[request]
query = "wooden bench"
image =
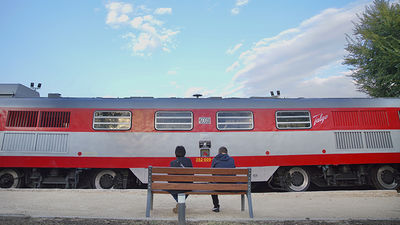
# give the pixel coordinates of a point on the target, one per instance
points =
(200, 181)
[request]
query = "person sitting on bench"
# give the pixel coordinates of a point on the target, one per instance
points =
(180, 161)
(222, 160)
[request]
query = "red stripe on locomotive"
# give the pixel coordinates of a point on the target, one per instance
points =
(264, 119)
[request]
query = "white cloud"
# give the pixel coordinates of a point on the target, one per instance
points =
(235, 11)
(333, 86)
(152, 20)
(233, 67)
(117, 13)
(281, 36)
(148, 34)
(149, 29)
(142, 9)
(230, 90)
(238, 4)
(137, 22)
(145, 41)
(292, 61)
(241, 2)
(150, 40)
(233, 49)
(162, 11)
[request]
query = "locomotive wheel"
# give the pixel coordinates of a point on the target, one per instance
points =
(297, 179)
(9, 178)
(104, 179)
(383, 177)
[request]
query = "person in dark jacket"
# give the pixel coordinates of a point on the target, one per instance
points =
(222, 160)
(180, 161)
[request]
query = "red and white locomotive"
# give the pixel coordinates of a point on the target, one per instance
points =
(109, 143)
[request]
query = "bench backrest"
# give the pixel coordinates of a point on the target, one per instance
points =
(199, 179)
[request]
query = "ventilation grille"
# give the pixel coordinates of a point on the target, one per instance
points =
(345, 119)
(378, 139)
(349, 140)
(374, 118)
(51, 142)
(39, 142)
(30, 118)
(369, 139)
(22, 118)
(367, 119)
(19, 142)
(54, 119)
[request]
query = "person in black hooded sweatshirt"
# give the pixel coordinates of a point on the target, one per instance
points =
(180, 161)
(222, 160)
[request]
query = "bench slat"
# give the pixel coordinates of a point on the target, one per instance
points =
(183, 178)
(217, 171)
(194, 186)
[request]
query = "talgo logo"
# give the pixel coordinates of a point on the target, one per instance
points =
(319, 118)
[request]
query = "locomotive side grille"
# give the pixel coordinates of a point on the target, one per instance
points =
(369, 119)
(54, 119)
(30, 119)
(345, 118)
(349, 140)
(19, 142)
(22, 118)
(51, 142)
(378, 139)
(35, 142)
(374, 118)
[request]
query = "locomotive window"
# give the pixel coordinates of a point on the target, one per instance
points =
(293, 119)
(112, 120)
(235, 120)
(174, 120)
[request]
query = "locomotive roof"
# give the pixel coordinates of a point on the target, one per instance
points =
(183, 103)
(17, 91)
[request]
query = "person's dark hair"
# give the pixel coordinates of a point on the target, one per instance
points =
(180, 151)
(223, 150)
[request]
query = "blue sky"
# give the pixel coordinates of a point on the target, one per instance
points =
(176, 48)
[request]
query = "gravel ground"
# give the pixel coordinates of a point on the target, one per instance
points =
(57, 206)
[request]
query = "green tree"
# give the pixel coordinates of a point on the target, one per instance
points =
(374, 50)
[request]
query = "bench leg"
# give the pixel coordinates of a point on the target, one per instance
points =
(181, 209)
(152, 197)
(242, 202)
(149, 202)
(250, 204)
